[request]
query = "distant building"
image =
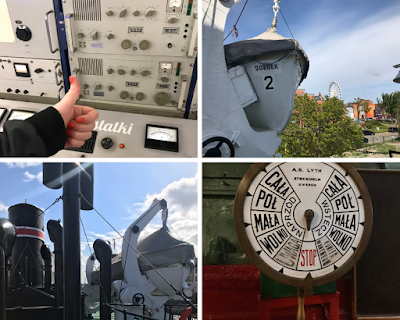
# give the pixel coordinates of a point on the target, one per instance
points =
(363, 114)
(319, 98)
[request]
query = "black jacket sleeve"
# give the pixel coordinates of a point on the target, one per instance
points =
(41, 135)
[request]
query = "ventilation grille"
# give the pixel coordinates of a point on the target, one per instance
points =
(88, 147)
(90, 66)
(87, 10)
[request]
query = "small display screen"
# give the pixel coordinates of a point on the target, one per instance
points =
(162, 86)
(132, 84)
(135, 29)
(21, 70)
(20, 114)
(171, 30)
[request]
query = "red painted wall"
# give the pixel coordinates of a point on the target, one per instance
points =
(231, 292)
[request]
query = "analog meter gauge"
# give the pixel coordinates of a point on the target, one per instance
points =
(162, 138)
(303, 224)
(174, 5)
(166, 67)
(20, 114)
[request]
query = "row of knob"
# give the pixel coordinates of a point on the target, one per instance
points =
(149, 13)
(161, 98)
(125, 44)
(17, 91)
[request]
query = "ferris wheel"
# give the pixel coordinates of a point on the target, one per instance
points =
(334, 90)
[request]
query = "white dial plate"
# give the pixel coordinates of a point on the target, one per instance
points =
(163, 134)
(20, 115)
(274, 215)
(175, 3)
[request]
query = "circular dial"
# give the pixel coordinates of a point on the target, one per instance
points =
(163, 134)
(300, 219)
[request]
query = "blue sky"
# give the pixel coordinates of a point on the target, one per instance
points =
(354, 43)
(122, 192)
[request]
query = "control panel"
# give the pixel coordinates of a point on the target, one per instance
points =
(120, 134)
(135, 80)
(28, 29)
(133, 53)
(33, 77)
(153, 27)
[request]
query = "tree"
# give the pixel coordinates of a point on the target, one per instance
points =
(390, 103)
(319, 130)
(360, 104)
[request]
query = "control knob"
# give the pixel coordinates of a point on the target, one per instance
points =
(110, 88)
(110, 71)
(95, 35)
(139, 96)
(133, 72)
(144, 44)
(24, 33)
(172, 20)
(97, 87)
(85, 86)
(80, 35)
(106, 143)
(145, 73)
(125, 44)
(124, 95)
(162, 98)
(150, 13)
(110, 36)
(109, 13)
(122, 13)
(136, 13)
(121, 72)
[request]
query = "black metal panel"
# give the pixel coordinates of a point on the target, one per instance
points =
(377, 272)
(88, 147)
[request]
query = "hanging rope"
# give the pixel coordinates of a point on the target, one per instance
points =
(234, 26)
(286, 24)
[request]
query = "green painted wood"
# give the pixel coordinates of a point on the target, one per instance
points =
(270, 289)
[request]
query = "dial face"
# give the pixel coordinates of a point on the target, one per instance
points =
(162, 134)
(175, 3)
(296, 219)
(20, 115)
(166, 65)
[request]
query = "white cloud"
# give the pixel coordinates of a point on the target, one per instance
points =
(3, 210)
(31, 177)
(22, 165)
(360, 60)
(181, 197)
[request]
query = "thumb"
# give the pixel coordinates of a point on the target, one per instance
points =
(66, 106)
(73, 93)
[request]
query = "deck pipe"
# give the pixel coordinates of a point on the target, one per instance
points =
(46, 256)
(72, 245)
(76, 181)
(55, 230)
(103, 254)
(8, 234)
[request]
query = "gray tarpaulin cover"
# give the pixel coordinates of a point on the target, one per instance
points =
(244, 51)
(160, 249)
